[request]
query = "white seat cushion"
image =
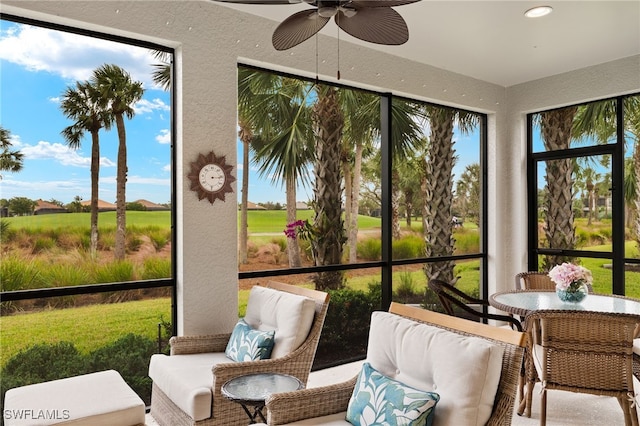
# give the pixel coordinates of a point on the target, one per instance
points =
(187, 380)
(636, 346)
(96, 399)
(290, 315)
(463, 370)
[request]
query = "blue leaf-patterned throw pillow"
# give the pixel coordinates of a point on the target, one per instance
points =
(378, 400)
(247, 344)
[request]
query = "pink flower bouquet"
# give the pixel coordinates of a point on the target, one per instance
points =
(570, 277)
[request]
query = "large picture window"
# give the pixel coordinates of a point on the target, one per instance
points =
(87, 203)
(583, 178)
(363, 194)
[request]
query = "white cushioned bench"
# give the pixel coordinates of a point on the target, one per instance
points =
(96, 399)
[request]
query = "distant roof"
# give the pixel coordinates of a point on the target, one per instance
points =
(41, 205)
(254, 206)
(101, 204)
(148, 204)
(302, 206)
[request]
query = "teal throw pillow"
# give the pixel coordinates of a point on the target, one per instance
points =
(380, 400)
(247, 344)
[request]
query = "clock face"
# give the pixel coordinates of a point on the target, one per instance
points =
(210, 177)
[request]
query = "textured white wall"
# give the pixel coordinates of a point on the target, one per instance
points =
(212, 39)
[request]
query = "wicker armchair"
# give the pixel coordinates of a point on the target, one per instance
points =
(584, 352)
(191, 349)
(330, 402)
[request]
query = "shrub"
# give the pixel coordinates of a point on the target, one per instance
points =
(370, 249)
(19, 274)
(42, 363)
(405, 291)
(129, 356)
(41, 244)
(408, 247)
(117, 271)
(346, 327)
(159, 238)
(156, 268)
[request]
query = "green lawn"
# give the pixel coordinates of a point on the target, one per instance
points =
(87, 327)
(260, 221)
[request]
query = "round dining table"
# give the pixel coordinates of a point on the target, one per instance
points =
(522, 302)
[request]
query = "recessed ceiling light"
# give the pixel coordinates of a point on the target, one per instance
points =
(538, 11)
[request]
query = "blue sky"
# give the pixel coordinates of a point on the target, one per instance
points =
(38, 64)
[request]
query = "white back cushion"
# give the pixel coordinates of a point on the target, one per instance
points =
(463, 370)
(290, 315)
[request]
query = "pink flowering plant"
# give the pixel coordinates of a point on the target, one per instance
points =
(299, 228)
(570, 277)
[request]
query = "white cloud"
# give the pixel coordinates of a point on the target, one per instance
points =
(61, 154)
(72, 56)
(167, 168)
(164, 137)
(146, 106)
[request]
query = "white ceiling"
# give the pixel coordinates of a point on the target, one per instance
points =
(493, 41)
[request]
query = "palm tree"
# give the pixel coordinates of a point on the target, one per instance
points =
(118, 93)
(10, 161)
(556, 127)
(598, 120)
(81, 104)
(437, 187)
(327, 192)
(277, 110)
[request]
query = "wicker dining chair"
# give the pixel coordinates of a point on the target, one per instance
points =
(584, 352)
(534, 280)
(451, 297)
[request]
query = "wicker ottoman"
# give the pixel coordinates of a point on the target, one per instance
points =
(95, 399)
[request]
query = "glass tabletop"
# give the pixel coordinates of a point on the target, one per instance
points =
(252, 388)
(518, 301)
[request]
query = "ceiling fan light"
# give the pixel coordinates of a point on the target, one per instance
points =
(327, 11)
(538, 11)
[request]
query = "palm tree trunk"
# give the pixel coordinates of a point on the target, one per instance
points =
(438, 196)
(560, 230)
(354, 207)
(395, 205)
(245, 136)
(95, 175)
(293, 247)
(121, 185)
(328, 224)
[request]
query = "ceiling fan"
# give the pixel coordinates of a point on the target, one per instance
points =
(373, 21)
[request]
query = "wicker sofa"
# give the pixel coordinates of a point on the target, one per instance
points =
(457, 358)
(187, 384)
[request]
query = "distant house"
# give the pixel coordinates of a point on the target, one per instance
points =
(254, 206)
(152, 206)
(103, 206)
(302, 206)
(45, 207)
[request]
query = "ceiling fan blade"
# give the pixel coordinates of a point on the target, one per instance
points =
(358, 4)
(260, 1)
(380, 25)
(297, 28)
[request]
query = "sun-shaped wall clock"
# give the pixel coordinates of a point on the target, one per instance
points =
(210, 177)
